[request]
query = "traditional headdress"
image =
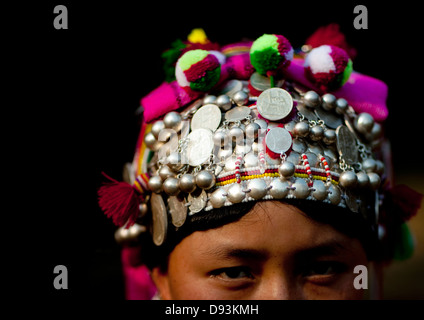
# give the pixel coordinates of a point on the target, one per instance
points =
(255, 121)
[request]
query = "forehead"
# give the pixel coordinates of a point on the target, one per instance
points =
(272, 227)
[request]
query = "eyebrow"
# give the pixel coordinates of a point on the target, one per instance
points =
(328, 248)
(228, 252)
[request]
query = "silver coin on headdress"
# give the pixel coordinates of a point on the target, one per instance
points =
(160, 219)
(237, 113)
(262, 83)
(207, 117)
(231, 87)
(197, 203)
(278, 140)
(199, 147)
(274, 104)
(351, 201)
(331, 119)
(306, 112)
(299, 146)
(178, 210)
(346, 145)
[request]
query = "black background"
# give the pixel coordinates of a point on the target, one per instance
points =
(83, 85)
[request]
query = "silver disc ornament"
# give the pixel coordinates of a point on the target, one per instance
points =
(199, 147)
(331, 119)
(231, 87)
(237, 114)
(262, 83)
(197, 203)
(308, 113)
(178, 210)
(160, 219)
(352, 201)
(278, 140)
(346, 145)
(274, 104)
(207, 117)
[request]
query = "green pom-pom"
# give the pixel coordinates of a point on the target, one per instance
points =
(206, 83)
(264, 55)
(404, 247)
(198, 70)
(270, 52)
(191, 57)
(347, 72)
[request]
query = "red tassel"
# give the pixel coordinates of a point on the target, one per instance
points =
(406, 200)
(119, 201)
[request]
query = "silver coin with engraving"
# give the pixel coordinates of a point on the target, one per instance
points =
(178, 210)
(199, 146)
(197, 203)
(278, 140)
(346, 145)
(160, 219)
(237, 114)
(274, 104)
(207, 117)
(331, 119)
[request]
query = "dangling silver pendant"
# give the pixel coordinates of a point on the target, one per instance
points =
(178, 210)
(197, 203)
(346, 145)
(160, 219)
(330, 119)
(237, 114)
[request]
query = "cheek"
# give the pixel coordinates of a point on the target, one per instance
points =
(187, 285)
(186, 281)
(189, 280)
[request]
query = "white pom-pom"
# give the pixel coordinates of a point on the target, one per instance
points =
(181, 78)
(320, 60)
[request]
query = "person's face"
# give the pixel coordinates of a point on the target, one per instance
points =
(273, 252)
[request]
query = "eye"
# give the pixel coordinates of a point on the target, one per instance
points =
(323, 268)
(233, 273)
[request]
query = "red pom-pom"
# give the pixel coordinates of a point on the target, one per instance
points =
(119, 201)
(330, 35)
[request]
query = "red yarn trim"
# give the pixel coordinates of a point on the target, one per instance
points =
(198, 70)
(258, 172)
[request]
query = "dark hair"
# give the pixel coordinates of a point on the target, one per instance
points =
(354, 225)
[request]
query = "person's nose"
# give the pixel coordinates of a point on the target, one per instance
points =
(280, 286)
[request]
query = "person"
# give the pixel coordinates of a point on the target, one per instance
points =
(261, 172)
